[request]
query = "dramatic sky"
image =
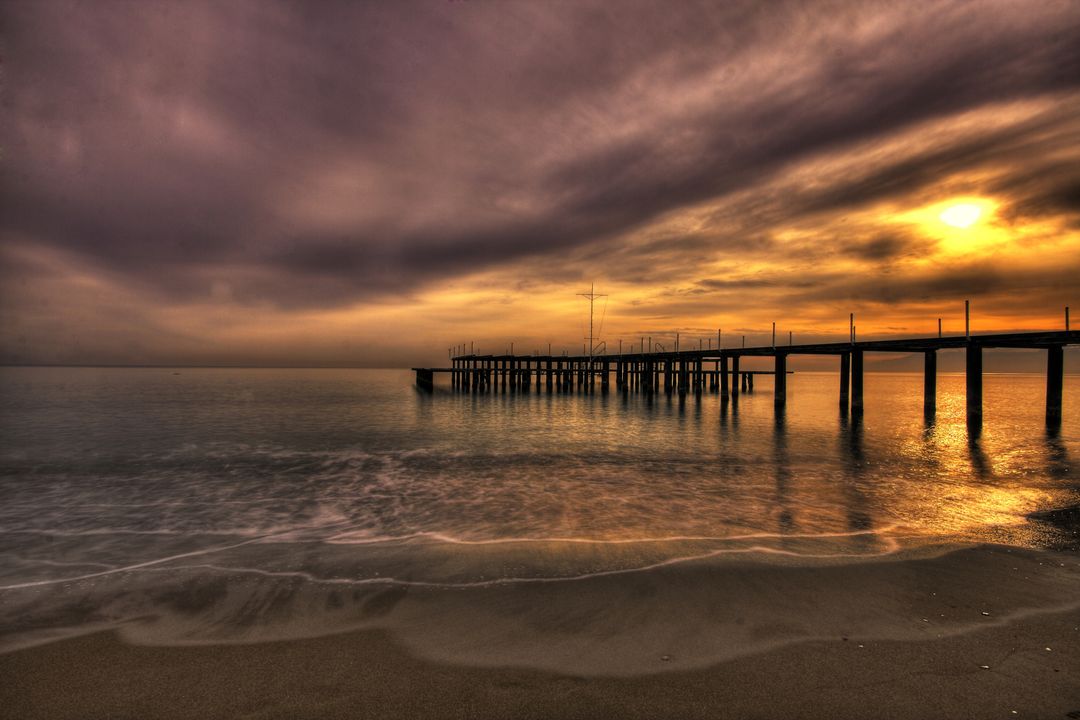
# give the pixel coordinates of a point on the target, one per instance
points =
(371, 183)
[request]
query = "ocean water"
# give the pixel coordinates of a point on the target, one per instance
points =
(239, 505)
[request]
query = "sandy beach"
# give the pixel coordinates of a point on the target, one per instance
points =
(986, 632)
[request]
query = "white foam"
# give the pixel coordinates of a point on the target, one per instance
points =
(892, 548)
(346, 539)
(139, 566)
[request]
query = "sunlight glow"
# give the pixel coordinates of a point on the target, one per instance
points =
(960, 225)
(963, 215)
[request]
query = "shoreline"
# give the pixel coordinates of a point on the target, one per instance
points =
(369, 674)
(900, 639)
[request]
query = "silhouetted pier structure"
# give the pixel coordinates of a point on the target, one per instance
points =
(712, 370)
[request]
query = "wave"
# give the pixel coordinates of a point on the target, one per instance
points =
(450, 539)
(892, 549)
(144, 564)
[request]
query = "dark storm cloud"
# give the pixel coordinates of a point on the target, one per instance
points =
(886, 247)
(310, 155)
(1017, 289)
(919, 169)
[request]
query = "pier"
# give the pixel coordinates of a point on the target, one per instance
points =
(718, 371)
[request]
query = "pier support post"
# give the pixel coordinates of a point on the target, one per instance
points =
(723, 378)
(1055, 376)
(856, 381)
(845, 379)
(735, 378)
(605, 371)
(930, 383)
(780, 380)
(974, 384)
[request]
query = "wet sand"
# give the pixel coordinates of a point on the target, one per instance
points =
(915, 665)
(367, 674)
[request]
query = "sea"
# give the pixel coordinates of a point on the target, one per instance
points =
(198, 505)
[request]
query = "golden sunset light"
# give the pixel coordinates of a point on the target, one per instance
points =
(963, 215)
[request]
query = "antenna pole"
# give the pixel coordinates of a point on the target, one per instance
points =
(592, 299)
(591, 295)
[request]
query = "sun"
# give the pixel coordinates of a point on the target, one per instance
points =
(959, 225)
(961, 215)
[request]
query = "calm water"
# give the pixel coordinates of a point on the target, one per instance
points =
(130, 494)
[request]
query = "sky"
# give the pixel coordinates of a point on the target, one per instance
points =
(296, 183)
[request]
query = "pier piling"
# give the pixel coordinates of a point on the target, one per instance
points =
(929, 383)
(1055, 375)
(724, 377)
(845, 379)
(856, 381)
(974, 383)
(780, 380)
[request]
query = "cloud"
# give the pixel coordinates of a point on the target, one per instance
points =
(293, 158)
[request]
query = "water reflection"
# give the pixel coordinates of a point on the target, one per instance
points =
(782, 464)
(1058, 465)
(859, 518)
(980, 464)
(365, 450)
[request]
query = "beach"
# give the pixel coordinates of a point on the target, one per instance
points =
(984, 632)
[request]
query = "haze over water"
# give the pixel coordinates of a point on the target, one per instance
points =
(209, 505)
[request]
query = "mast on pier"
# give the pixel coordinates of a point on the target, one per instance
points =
(591, 295)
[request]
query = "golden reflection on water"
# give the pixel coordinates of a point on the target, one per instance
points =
(976, 490)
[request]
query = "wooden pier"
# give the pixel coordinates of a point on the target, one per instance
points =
(718, 371)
